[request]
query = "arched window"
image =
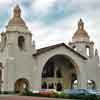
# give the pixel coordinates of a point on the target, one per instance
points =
(1, 66)
(74, 80)
(5, 40)
(87, 51)
(48, 71)
(58, 73)
(21, 42)
(59, 86)
(44, 85)
(91, 84)
(0, 76)
(51, 86)
(75, 84)
(21, 84)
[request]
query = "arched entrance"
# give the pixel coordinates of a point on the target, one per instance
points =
(21, 85)
(59, 86)
(91, 84)
(61, 71)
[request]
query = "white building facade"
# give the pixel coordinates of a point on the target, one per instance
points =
(60, 66)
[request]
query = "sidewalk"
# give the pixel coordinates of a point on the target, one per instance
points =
(28, 98)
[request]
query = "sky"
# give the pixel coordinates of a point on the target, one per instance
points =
(55, 21)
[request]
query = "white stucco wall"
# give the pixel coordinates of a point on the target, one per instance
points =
(62, 50)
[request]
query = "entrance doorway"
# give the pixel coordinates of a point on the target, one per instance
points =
(21, 85)
(61, 71)
(59, 87)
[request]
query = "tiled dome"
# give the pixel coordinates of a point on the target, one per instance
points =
(16, 19)
(80, 33)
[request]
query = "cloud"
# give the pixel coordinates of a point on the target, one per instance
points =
(85, 5)
(62, 31)
(49, 11)
(48, 35)
(54, 21)
(42, 6)
(6, 1)
(26, 3)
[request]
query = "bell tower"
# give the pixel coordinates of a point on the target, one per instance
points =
(17, 33)
(17, 49)
(81, 41)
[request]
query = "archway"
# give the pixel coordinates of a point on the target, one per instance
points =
(61, 71)
(44, 85)
(21, 85)
(91, 84)
(59, 86)
(21, 42)
(74, 78)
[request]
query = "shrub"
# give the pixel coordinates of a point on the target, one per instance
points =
(47, 93)
(7, 92)
(26, 93)
(62, 95)
(59, 95)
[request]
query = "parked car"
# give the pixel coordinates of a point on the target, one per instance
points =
(98, 93)
(79, 93)
(92, 91)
